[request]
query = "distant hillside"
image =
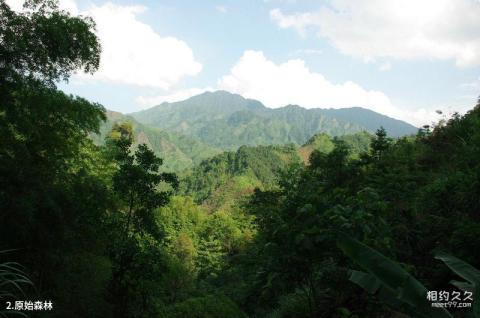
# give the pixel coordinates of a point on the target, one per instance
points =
(372, 120)
(228, 121)
(358, 143)
(225, 179)
(178, 152)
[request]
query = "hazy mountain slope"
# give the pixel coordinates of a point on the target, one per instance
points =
(228, 121)
(225, 179)
(178, 152)
(303, 123)
(180, 116)
(372, 120)
(358, 143)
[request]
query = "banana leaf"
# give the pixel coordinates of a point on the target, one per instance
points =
(467, 272)
(392, 278)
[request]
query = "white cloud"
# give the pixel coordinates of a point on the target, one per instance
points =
(277, 85)
(133, 53)
(179, 95)
(408, 29)
(297, 21)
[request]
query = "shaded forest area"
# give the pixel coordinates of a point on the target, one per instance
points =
(104, 231)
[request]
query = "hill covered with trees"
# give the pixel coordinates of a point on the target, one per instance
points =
(228, 178)
(178, 151)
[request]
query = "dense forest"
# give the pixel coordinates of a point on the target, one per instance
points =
(351, 226)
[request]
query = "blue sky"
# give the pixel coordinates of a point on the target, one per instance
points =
(405, 58)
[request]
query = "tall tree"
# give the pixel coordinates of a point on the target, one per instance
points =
(138, 186)
(52, 191)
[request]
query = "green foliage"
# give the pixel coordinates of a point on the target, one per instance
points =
(136, 185)
(214, 306)
(46, 44)
(201, 240)
(84, 278)
(137, 180)
(227, 177)
(407, 198)
(53, 191)
(294, 241)
(394, 285)
(467, 272)
(398, 288)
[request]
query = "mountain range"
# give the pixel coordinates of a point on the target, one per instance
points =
(228, 121)
(187, 132)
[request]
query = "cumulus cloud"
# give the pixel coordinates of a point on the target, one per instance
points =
(409, 29)
(133, 53)
(291, 82)
(297, 21)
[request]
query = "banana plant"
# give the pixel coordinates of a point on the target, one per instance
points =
(467, 272)
(388, 280)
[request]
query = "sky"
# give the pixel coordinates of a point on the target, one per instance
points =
(405, 59)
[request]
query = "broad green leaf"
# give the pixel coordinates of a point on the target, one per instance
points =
(405, 287)
(374, 286)
(366, 281)
(460, 268)
(463, 285)
(466, 271)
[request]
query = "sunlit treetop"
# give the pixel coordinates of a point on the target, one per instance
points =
(46, 43)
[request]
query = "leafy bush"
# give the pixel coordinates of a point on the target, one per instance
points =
(212, 306)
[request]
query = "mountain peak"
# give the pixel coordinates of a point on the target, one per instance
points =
(216, 95)
(291, 106)
(221, 93)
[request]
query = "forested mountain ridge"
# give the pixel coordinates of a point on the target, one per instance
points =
(228, 121)
(179, 152)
